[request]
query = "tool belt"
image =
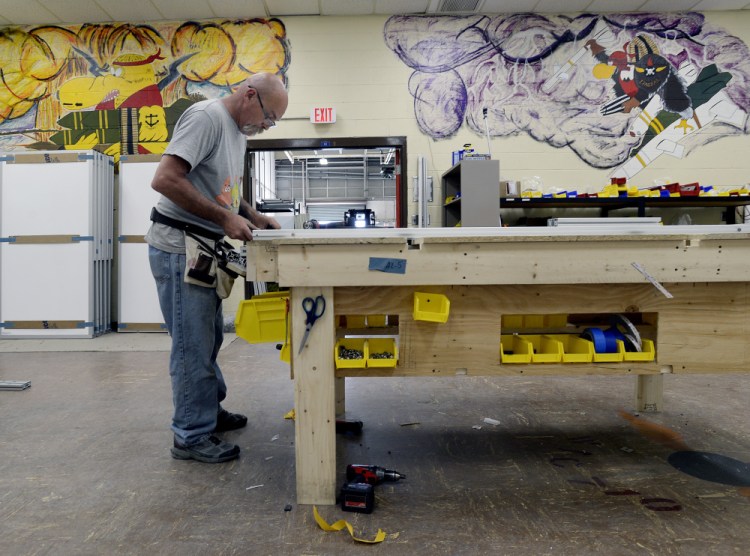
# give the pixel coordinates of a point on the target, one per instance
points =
(160, 218)
(208, 266)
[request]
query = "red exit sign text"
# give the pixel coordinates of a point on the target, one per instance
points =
(323, 115)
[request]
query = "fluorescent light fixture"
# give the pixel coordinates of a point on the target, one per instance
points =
(323, 161)
(388, 156)
(289, 156)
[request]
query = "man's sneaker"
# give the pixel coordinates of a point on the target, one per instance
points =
(208, 450)
(226, 421)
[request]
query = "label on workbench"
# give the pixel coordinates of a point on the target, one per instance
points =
(395, 266)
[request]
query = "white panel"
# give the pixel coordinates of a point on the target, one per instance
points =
(184, 9)
(556, 7)
(136, 197)
(401, 6)
(292, 7)
(46, 282)
(240, 9)
(56, 281)
(132, 10)
(512, 6)
(80, 11)
(667, 5)
(598, 6)
(26, 12)
(708, 5)
(138, 301)
(346, 7)
(45, 199)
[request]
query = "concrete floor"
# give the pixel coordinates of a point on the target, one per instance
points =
(85, 466)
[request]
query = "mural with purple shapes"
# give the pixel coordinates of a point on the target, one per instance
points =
(619, 90)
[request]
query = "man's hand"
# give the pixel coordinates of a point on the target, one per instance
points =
(266, 222)
(238, 227)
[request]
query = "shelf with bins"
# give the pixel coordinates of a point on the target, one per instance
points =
(580, 338)
(366, 341)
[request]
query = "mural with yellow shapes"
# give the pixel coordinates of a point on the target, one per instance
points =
(121, 87)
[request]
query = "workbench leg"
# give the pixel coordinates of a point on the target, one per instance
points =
(649, 393)
(314, 401)
(340, 397)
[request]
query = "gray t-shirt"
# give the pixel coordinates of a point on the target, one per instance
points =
(208, 139)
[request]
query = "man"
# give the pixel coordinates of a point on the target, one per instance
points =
(200, 179)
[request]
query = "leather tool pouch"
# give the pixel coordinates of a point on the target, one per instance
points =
(202, 267)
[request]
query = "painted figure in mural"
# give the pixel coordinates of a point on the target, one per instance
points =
(639, 73)
(123, 86)
(199, 177)
(529, 72)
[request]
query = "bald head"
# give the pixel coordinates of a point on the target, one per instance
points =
(258, 102)
(266, 83)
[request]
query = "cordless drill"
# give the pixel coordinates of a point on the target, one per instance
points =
(371, 474)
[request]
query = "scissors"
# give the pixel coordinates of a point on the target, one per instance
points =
(314, 309)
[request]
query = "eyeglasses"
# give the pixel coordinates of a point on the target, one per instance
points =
(267, 119)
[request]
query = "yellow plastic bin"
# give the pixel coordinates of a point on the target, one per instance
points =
(556, 320)
(616, 357)
(355, 321)
(382, 346)
(285, 354)
(360, 344)
(376, 321)
(647, 353)
(515, 349)
(575, 348)
(511, 321)
(533, 321)
(263, 318)
(431, 307)
(546, 349)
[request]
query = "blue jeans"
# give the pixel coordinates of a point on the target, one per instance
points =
(195, 322)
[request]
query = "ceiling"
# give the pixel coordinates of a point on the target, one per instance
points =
(35, 12)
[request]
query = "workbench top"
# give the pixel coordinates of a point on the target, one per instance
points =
(593, 232)
(587, 254)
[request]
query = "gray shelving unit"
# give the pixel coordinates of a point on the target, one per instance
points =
(475, 188)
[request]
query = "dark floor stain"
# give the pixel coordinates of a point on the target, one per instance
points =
(712, 467)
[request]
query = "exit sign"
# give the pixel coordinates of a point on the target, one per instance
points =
(323, 115)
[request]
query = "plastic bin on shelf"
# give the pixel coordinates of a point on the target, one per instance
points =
(615, 357)
(355, 321)
(263, 318)
(285, 354)
(555, 321)
(546, 349)
(431, 307)
(515, 349)
(511, 321)
(359, 344)
(376, 321)
(647, 353)
(533, 321)
(382, 345)
(575, 348)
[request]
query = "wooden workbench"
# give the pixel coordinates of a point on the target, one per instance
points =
(490, 272)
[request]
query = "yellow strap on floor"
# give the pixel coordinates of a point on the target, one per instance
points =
(341, 524)
(290, 415)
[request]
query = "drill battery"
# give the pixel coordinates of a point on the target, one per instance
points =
(358, 497)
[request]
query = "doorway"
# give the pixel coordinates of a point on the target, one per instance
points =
(326, 177)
